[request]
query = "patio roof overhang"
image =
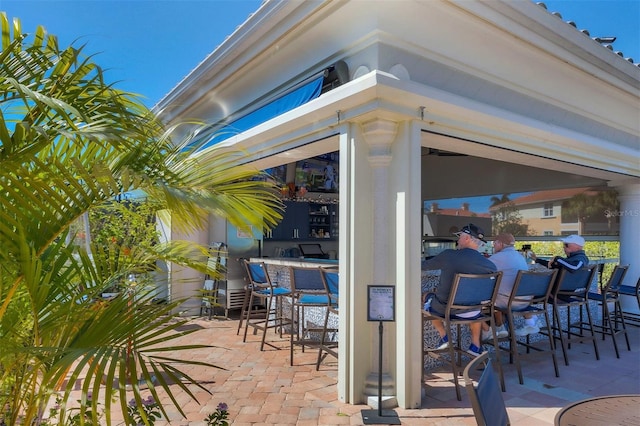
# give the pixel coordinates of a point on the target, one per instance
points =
(524, 98)
(520, 145)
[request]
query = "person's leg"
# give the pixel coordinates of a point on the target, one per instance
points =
(499, 321)
(444, 339)
(501, 302)
(439, 326)
(475, 329)
(530, 326)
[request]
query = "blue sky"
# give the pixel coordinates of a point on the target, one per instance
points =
(148, 46)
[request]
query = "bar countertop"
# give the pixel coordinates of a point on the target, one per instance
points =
(293, 261)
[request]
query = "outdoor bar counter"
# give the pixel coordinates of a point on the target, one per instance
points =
(278, 267)
(278, 270)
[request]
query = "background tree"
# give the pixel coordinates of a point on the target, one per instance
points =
(69, 143)
(506, 218)
(495, 200)
(591, 206)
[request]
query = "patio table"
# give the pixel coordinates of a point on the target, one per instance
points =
(602, 410)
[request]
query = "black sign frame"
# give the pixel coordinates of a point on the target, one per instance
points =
(381, 303)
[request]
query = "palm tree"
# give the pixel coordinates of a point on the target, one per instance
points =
(70, 142)
(496, 201)
(592, 204)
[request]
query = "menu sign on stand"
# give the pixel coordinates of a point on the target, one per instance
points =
(381, 307)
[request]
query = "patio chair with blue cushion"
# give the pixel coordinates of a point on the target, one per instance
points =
(260, 287)
(469, 293)
(631, 318)
(329, 337)
(307, 291)
(570, 291)
(612, 325)
(533, 289)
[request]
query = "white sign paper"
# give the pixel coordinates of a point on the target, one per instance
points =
(381, 304)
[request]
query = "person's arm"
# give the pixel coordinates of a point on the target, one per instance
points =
(542, 262)
(435, 262)
(566, 263)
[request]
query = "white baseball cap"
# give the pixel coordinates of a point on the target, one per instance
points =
(573, 239)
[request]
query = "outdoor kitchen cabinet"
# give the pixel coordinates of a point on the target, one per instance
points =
(294, 224)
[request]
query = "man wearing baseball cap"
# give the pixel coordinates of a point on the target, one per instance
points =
(576, 257)
(465, 260)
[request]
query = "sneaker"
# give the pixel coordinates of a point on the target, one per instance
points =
(487, 335)
(526, 330)
(427, 301)
(443, 343)
(501, 332)
(474, 350)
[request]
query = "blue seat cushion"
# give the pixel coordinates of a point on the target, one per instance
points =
(277, 291)
(627, 289)
(599, 297)
(313, 299)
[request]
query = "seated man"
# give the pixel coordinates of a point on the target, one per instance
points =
(466, 259)
(576, 257)
(509, 261)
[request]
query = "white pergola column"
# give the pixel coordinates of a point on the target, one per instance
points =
(629, 196)
(380, 245)
(380, 136)
(406, 182)
(356, 254)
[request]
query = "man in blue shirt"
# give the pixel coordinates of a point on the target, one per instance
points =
(465, 260)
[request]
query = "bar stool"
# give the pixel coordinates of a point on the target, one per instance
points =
(246, 310)
(330, 279)
(261, 288)
(609, 325)
(307, 291)
(632, 318)
(469, 293)
(531, 288)
(569, 291)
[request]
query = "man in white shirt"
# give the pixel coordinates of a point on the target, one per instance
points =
(509, 261)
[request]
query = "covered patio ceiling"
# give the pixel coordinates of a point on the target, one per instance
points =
(441, 170)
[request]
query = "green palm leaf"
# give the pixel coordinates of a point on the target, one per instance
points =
(71, 144)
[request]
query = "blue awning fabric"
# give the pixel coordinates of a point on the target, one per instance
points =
(290, 100)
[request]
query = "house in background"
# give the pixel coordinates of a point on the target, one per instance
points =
(444, 222)
(556, 211)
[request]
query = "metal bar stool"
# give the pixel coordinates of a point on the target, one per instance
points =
(612, 325)
(307, 291)
(469, 293)
(261, 288)
(631, 318)
(533, 289)
(255, 309)
(329, 346)
(570, 291)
